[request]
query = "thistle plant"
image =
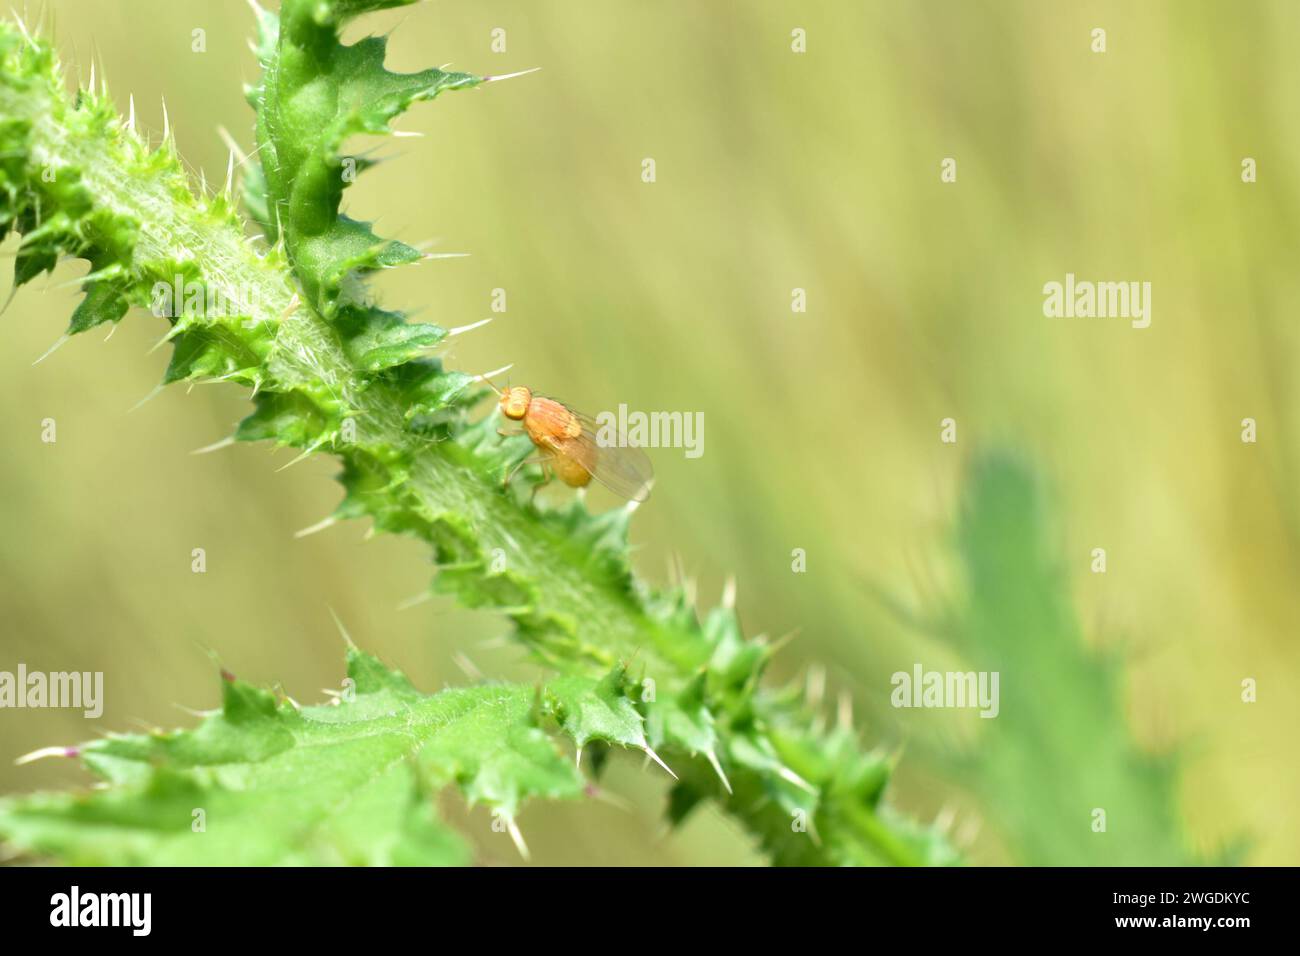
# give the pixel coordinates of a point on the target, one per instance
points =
(1017, 616)
(332, 372)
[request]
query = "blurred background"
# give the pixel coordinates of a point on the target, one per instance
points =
(775, 171)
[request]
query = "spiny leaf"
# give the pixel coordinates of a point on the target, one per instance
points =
(1060, 748)
(602, 712)
(314, 94)
(351, 782)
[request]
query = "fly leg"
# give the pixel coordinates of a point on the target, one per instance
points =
(539, 460)
(548, 475)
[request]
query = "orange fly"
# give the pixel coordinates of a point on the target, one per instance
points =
(568, 446)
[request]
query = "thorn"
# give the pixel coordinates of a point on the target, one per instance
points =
(92, 74)
(321, 525)
(462, 329)
(729, 593)
(577, 759)
(816, 685)
(167, 125)
(717, 768)
(231, 144)
(306, 453)
(52, 349)
(130, 119)
(200, 714)
(494, 373)
(781, 642)
(604, 796)
(789, 776)
(509, 76)
(844, 712)
(22, 26)
(111, 331)
(518, 837)
(209, 653)
(444, 255)
(347, 638)
(230, 173)
(157, 390)
(79, 281)
(655, 757)
(47, 752)
(406, 134)
(152, 729)
(171, 334)
(413, 601)
(215, 446)
(467, 667)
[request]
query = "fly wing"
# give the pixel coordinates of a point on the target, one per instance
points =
(621, 467)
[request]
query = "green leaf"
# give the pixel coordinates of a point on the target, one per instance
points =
(351, 782)
(314, 94)
(378, 340)
(1060, 747)
(600, 711)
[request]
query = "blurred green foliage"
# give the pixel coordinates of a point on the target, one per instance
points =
(775, 171)
(1057, 750)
